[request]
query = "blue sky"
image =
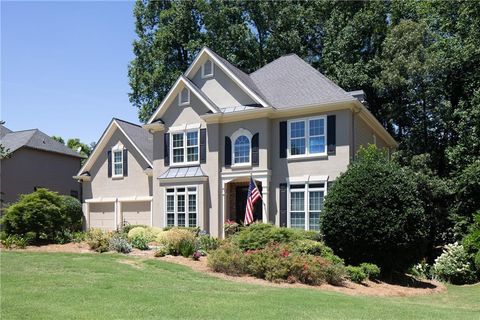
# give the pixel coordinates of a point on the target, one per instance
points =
(64, 66)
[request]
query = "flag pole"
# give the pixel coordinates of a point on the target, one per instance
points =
(261, 195)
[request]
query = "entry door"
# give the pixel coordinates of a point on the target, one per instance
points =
(241, 194)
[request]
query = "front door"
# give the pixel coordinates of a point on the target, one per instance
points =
(241, 194)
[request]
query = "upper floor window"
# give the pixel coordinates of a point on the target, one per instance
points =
(117, 162)
(307, 137)
(207, 69)
(242, 151)
(184, 97)
(185, 147)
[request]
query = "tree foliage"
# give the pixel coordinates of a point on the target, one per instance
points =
(373, 213)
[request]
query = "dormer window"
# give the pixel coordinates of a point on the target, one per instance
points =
(184, 97)
(207, 69)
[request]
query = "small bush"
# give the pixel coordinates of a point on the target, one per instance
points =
(173, 238)
(309, 269)
(206, 243)
(126, 228)
(15, 241)
(471, 242)
(98, 240)
(453, 265)
(161, 252)
(271, 263)
(119, 243)
(228, 259)
(140, 232)
(79, 236)
(258, 235)
(231, 227)
(140, 241)
(186, 248)
(356, 274)
(371, 270)
(196, 255)
(315, 248)
(421, 270)
(335, 274)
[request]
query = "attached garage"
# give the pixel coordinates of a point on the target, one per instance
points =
(137, 212)
(102, 215)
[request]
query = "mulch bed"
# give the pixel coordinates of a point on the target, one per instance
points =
(368, 288)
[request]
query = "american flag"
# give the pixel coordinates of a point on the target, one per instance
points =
(253, 196)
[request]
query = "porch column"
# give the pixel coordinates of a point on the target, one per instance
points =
(86, 210)
(265, 205)
(222, 209)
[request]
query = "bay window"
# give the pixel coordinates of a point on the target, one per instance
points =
(305, 205)
(307, 137)
(181, 207)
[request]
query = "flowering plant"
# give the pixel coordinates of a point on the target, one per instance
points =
(196, 255)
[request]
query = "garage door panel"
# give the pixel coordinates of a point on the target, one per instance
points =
(102, 215)
(136, 212)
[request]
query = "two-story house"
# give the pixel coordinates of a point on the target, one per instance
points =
(286, 125)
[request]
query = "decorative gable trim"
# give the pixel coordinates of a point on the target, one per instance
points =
(212, 57)
(181, 83)
(107, 134)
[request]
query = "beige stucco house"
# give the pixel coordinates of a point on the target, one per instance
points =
(286, 125)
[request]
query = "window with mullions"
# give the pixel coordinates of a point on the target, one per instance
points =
(181, 207)
(306, 205)
(307, 137)
(242, 150)
(185, 147)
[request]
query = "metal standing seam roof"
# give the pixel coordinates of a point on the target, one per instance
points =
(35, 139)
(184, 172)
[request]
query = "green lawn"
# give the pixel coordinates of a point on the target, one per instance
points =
(93, 286)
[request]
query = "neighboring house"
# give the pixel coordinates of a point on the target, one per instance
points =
(36, 161)
(286, 125)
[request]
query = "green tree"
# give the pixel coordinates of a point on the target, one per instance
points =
(373, 213)
(59, 139)
(77, 145)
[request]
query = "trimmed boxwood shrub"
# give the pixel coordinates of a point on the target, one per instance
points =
(373, 214)
(356, 274)
(45, 214)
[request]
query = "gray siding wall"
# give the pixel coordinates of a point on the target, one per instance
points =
(137, 183)
(364, 135)
(29, 168)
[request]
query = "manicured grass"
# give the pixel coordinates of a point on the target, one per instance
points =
(94, 286)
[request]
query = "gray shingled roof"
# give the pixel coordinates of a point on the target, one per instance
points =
(186, 172)
(289, 82)
(140, 137)
(36, 139)
(244, 78)
(4, 130)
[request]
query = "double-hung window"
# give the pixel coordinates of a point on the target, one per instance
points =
(185, 146)
(117, 162)
(307, 137)
(306, 205)
(181, 207)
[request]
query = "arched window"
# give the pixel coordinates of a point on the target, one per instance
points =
(242, 150)
(242, 147)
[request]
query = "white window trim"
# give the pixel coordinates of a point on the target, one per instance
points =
(374, 139)
(306, 137)
(117, 148)
(204, 75)
(185, 162)
(241, 132)
(306, 190)
(180, 103)
(175, 210)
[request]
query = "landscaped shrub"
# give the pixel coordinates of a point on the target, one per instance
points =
(315, 248)
(356, 274)
(140, 241)
(258, 235)
(196, 255)
(140, 232)
(186, 248)
(206, 243)
(119, 243)
(98, 240)
(79, 236)
(421, 270)
(471, 242)
(371, 270)
(310, 269)
(173, 238)
(161, 252)
(228, 259)
(231, 227)
(46, 214)
(126, 228)
(373, 214)
(454, 265)
(335, 274)
(15, 241)
(271, 263)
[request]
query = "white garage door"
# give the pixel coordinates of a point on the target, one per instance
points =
(102, 215)
(136, 212)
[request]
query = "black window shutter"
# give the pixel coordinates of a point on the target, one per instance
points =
(331, 134)
(283, 204)
(255, 150)
(166, 149)
(283, 139)
(228, 152)
(125, 162)
(203, 145)
(109, 161)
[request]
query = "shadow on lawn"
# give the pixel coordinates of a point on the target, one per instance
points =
(406, 280)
